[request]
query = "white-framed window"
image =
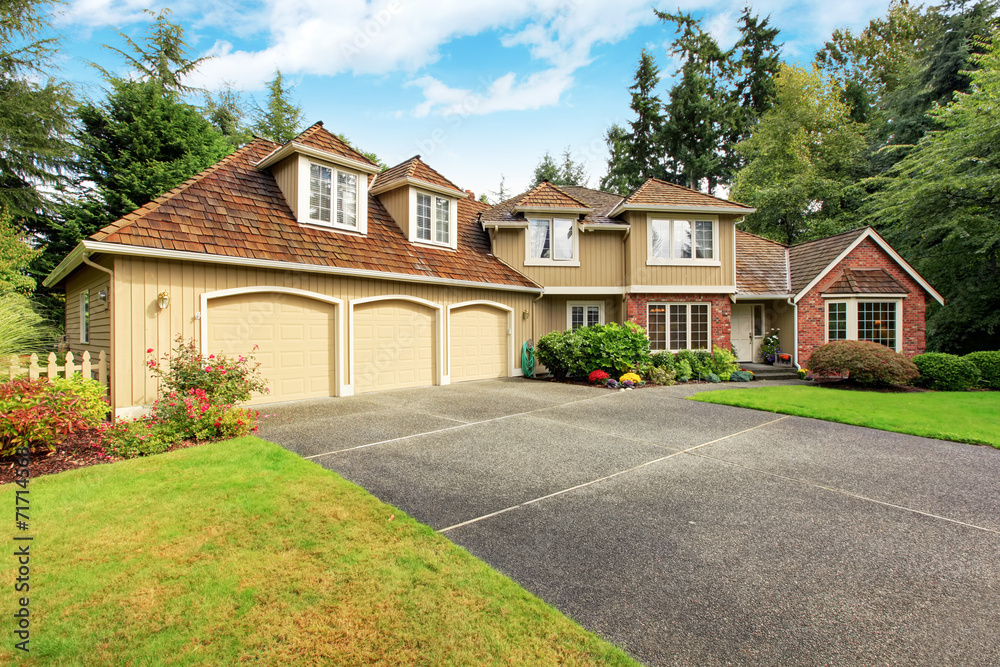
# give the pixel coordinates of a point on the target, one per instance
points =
(875, 320)
(679, 326)
(552, 241)
(683, 241)
(583, 314)
(85, 317)
(433, 219)
(333, 197)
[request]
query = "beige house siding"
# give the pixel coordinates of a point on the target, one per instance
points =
(549, 313)
(286, 173)
(88, 278)
(642, 274)
(397, 203)
(602, 259)
(140, 324)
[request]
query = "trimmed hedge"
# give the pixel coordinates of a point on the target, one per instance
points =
(988, 363)
(613, 348)
(946, 372)
(867, 363)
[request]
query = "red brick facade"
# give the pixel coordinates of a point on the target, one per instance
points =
(721, 308)
(868, 254)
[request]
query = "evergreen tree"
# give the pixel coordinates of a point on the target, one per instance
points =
(636, 155)
(939, 209)
(754, 84)
(36, 119)
(226, 111)
(16, 256)
(802, 161)
(567, 173)
(280, 120)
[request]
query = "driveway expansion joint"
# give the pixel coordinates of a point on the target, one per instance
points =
(607, 477)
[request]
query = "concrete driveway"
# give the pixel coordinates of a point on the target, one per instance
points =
(690, 533)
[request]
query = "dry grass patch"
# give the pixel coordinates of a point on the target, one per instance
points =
(242, 552)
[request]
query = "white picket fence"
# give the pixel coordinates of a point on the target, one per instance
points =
(51, 370)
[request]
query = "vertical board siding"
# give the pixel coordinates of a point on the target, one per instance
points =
(89, 278)
(642, 274)
(286, 173)
(397, 203)
(602, 260)
(549, 313)
(142, 325)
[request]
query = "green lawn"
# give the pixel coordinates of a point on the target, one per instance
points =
(240, 551)
(960, 416)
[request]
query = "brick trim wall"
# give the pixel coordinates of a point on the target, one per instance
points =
(721, 309)
(868, 255)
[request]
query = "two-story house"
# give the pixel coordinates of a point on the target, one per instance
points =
(345, 279)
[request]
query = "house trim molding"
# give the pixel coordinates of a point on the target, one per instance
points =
(584, 291)
(74, 259)
(681, 289)
(291, 147)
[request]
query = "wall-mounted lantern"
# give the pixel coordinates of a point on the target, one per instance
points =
(163, 299)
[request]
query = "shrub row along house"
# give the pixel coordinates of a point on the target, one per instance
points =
(349, 279)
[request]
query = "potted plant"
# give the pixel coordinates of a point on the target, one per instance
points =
(770, 347)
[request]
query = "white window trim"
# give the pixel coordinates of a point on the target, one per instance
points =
(659, 261)
(452, 220)
(667, 333)
(303, 196)
(569, 312)
(535, 261)
(852, 316)
(84, 320)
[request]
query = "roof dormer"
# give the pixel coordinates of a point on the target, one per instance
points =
(422, 202)
(324, 181)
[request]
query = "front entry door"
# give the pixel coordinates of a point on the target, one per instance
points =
(747, 331)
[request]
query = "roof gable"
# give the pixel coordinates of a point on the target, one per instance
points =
(316, 136)
(545, 195)
(658, 193)
(865, 281)
(413, 169)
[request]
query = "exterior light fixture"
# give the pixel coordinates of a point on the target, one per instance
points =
(102, 295)
(525, 314)
(163, 299)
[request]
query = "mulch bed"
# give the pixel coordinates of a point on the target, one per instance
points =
(76, 451)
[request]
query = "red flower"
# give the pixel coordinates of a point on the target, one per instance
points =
(149, 351)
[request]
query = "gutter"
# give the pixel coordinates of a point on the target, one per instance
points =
(111, 324)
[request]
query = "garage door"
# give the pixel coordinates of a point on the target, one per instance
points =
(295, 336)
(394, 345)
(478, 343)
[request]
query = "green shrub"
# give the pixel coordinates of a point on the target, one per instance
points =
(663, 359)
(94, 405)
(988, 363)
(723, 363)
(741, 376)
(613, 348)
(661, 376)
(34, 414)
(129, 438)
(712, 377)
(868, 363)
(946, 372)
(683, 369)
(700, 361)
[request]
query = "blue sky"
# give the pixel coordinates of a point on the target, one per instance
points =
(479, 88)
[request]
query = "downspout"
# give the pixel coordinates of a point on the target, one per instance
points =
(795, 315)
(111, 325)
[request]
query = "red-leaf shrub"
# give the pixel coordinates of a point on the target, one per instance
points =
(597, 376)
(35, 414)
(867, 363)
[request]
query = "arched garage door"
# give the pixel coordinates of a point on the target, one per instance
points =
(478, 343)
(394, 345)
(296, 338)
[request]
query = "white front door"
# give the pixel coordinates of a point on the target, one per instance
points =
(742, 333)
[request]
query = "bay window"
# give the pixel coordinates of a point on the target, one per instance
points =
(679, 326)
(864, 319)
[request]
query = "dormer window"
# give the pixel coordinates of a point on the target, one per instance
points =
(433, 215)
(333, 196)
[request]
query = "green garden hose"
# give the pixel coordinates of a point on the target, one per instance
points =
(528, 359)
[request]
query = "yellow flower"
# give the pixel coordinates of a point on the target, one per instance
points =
(630, 377)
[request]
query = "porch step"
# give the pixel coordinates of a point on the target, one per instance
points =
(768, 372)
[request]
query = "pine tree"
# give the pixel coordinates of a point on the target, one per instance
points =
(36, 119)
(226, 111)
(280, 120)
(567, 173)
